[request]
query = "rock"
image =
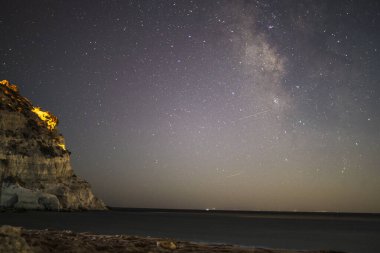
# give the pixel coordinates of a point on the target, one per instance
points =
(166, 245)
(12, 242)
(15, 196)
(35, 170)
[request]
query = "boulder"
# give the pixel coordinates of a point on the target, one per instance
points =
(12, 242)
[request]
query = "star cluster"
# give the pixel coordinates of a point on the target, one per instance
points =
(255, 105)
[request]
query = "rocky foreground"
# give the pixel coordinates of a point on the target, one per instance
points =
(16, 240)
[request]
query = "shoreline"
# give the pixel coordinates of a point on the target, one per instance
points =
(344, 234)
(41, 241)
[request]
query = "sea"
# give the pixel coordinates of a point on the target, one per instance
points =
(351, 233)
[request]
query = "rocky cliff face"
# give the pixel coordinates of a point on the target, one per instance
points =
(35, 171)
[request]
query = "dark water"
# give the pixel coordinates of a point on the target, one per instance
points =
(356, 234)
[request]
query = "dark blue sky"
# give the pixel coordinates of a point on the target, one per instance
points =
(257, 105)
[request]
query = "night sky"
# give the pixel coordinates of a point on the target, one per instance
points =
(254, 105)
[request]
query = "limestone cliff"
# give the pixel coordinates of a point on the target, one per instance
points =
(35, 171)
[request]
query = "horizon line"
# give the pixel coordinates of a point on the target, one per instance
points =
(212, 210)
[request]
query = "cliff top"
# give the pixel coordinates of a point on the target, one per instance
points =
(15, 102)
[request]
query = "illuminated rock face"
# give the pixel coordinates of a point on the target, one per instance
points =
(35, 171)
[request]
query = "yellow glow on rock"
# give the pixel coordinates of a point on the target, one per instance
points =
(62, 146)
(50, 120)
(9, 86)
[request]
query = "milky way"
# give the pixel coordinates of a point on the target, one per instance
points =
(254, 105)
